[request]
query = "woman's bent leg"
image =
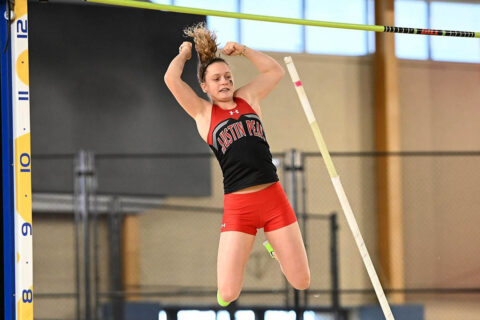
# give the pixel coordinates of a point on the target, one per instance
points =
(233, 252)
(290, 250)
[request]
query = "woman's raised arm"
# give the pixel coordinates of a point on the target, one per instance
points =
(270, 72)
(184, 94)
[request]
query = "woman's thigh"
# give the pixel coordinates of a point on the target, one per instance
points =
(290, 250)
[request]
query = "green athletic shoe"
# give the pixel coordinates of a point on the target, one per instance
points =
(270, 250)
(220, 301)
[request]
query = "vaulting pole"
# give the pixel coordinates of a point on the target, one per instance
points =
(327, 24)
(342, 197)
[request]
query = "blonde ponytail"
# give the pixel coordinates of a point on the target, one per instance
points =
(206, 46)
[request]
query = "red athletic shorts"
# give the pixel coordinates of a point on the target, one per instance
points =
(268, 209)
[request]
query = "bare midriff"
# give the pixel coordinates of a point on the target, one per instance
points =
(255, 188)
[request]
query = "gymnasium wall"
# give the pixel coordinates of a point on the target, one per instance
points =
(440, 108)
(340, 91)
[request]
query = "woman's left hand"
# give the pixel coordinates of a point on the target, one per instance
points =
(233, 49)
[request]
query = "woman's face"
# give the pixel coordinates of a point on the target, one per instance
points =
(218, 82)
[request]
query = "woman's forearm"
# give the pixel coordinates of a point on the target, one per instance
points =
(175, 69)
(261, 61)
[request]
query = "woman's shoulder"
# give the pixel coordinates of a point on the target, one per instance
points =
(203, 119)
(207, 108)
(241, 94)
(242, 98)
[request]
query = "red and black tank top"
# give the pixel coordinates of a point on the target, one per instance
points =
(237, 139)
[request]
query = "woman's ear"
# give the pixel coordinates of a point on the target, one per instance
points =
(204, 87)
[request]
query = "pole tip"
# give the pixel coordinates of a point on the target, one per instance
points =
(287, 59)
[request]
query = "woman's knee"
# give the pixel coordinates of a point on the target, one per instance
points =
(228, 294)
(301, 281)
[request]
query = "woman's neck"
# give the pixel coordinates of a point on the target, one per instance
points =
(226, 105)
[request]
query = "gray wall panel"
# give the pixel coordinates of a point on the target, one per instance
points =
(96, 76)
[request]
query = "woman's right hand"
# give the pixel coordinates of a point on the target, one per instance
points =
(185, 49)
